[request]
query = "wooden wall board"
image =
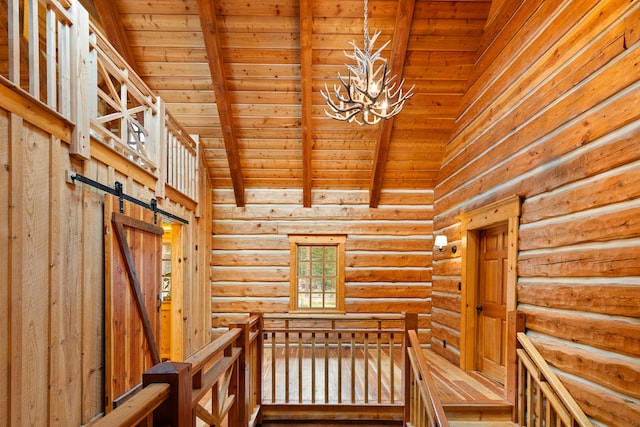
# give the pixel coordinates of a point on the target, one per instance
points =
(603, 296)
(547, 84)
(610, 409)
(66, 293)
(547, 117)
(555, 126)
(607, 369)
(29, 297)
(54, 299)
(5, 227)
(386, 265)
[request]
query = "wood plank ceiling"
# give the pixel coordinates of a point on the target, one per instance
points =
(246, 77)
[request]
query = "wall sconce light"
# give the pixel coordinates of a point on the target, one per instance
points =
(441, 242)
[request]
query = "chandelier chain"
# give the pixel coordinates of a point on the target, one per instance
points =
(366, 25)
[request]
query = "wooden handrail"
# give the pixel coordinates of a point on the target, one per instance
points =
(431, 400)
(332, 316)
(136, 409)
(550, 384)
(203, 356)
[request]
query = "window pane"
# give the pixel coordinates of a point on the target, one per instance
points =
(303, 301)
(329, 285)
(330, 269)
(330, 253)
(316, 252)
(303, 284)
(330, 300)
(316, 300)
(303, 269)
(303, 253)
(316, 284)
(316, 268)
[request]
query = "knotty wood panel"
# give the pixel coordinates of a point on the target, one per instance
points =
(547, 117)
(5, 226)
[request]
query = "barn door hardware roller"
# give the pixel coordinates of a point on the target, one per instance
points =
(117, 191)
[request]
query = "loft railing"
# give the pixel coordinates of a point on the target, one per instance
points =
(124, 115)
(424, 406)
(318, 359)
(542, 398)
(57, 58)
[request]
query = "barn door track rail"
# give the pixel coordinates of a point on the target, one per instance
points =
(117, 191)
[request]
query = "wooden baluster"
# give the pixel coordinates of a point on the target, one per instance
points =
(353, 368)
(339, 367)
(326, 367)
(392, 386)
(286, 363)
(273, 367)
(300, 367)
(313, 367)
(379, 363)
(366, 367)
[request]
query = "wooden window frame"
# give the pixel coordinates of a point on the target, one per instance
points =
(316, 240)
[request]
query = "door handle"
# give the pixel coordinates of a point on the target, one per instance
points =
(479, 308)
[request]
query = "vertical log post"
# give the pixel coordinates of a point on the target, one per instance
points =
(410, 323)
(176, 411)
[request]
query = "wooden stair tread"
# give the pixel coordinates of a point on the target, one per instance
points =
(456, 386)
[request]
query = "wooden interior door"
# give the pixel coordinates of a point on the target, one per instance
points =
(491, 303)
(133, 257)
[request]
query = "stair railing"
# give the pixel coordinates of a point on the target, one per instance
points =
(220, 382)
(424, 406)
(542, 398)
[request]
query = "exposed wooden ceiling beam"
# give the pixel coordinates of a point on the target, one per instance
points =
(402, 29)
(216, 67)
(114, 30)
(306, 23)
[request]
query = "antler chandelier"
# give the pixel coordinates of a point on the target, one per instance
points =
(369, 94)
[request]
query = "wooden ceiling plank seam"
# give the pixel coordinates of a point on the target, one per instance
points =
(306, 70)
(400, 41)
(113, 28)
(209, 23)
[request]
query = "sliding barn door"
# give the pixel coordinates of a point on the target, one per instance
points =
(133, 278)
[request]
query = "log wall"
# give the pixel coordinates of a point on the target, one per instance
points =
(387, 252)
(51, 267)
(552, 114)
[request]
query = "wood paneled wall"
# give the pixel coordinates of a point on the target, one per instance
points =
(51, 268)
(387, 252)
(553, 114)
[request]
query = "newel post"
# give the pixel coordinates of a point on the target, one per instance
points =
(176, 410)
(410, 324)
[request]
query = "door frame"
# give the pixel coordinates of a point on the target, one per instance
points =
(503, 211)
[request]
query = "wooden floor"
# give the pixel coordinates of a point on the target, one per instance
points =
(454, 385)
